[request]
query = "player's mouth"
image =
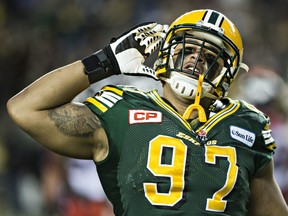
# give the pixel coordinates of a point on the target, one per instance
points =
(192, 71)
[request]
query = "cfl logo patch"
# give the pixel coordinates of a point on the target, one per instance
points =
(144, 116)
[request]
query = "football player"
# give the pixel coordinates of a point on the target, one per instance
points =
(190, 151)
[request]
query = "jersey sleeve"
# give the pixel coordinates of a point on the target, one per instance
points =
(111, 105)
(111, 109)
(105, 99)
(264, 145)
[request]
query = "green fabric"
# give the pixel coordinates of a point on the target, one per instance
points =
(168, 154)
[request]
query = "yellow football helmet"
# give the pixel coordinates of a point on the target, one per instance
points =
(207, 30)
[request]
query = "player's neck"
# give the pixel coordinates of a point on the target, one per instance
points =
(181, 104)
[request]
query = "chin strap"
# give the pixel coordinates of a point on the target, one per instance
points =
(196, 105)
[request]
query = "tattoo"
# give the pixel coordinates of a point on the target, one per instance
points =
(73, 120)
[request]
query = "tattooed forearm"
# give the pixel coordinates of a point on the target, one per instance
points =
(73, 120)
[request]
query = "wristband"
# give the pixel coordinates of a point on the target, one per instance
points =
(97, 66)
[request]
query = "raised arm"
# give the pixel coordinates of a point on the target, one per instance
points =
(45, 111)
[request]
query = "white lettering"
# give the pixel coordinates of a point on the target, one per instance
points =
(242, 135)
(144, 116)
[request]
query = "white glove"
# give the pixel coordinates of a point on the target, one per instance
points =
(126, 54)
(132, 48)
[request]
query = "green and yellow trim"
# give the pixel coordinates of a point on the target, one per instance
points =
(229, 110)
(97, 103)
(113, 89)
(155, 97)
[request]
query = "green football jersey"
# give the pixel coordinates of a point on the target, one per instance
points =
(161, 164)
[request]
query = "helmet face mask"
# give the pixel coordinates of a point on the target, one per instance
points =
(214, 54)
(204, 51)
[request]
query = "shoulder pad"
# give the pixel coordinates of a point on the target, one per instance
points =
(253, 109)
(106, 98)
(265, 121)
(109, 95)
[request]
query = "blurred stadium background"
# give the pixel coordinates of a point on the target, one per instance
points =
(38, 36)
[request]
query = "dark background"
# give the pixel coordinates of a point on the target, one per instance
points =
(39, 36)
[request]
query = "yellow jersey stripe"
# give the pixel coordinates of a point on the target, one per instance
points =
(271, 147)
(113, 89)
(233, 107)
(96, 103)
(155, 96)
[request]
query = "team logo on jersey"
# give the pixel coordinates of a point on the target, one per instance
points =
(202, 135)
(187, 137)
(242, 135)
(144, 116)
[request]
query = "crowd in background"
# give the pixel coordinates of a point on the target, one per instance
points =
(38, 36)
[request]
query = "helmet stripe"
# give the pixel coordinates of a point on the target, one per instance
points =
(214, 18)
